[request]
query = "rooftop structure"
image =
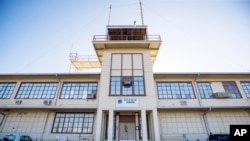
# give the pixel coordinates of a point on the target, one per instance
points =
(118, 37)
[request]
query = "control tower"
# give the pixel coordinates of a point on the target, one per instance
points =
(118, 36)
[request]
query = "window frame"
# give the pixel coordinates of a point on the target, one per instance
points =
(246, 91)
(122, 87)
(8, 90)
(37, 90)
(122, 74)
(237, 89)
(79, 89)
(211, 97)
(222, 83)
(172, 82)
(79, 119)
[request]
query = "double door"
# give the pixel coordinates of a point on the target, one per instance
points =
(127, 131)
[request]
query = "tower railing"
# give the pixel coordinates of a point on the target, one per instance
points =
(76, 57)
(127, 37)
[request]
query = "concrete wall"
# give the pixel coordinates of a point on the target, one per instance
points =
(146, 102)
(36, 123)
(216, 85)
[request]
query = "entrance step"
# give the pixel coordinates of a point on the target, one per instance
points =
(172, 138)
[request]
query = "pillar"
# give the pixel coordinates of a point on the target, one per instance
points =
(117, 126)
(144, 125)
(137, 125)
(156, 125)
(110, 126)
(98, 125)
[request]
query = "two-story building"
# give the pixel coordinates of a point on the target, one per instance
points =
(126, 100)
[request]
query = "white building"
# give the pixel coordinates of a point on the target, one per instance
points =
(126, 100)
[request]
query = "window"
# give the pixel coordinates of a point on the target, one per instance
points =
(246, 88)
(73, 123)
(205, 89)
(138, 85)
(231, 88)
(6, 89)
(78, 90)
(175, 90)
(37, 90)
(115, 86)
(127, 85)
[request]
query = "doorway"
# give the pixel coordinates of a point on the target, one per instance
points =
(127, 130)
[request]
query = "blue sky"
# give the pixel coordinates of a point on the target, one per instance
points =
(36, 36)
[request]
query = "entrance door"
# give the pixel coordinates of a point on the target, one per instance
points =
(127, 131)
(127, 128)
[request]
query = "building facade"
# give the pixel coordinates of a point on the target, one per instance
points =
(126, 100)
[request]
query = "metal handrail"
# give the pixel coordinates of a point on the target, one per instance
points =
(127, 37)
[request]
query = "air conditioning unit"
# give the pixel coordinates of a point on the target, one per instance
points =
(127, 82)
(183, 102)
(47, 102)
(90, 96)
(222, 95)
(18, 102)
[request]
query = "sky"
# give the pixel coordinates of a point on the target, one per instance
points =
(36, 36)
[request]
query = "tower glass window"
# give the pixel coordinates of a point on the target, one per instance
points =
(121, 86)
(127, 74)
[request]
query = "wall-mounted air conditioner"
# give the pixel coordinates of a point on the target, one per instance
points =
(183, 102)
(18, 102)
(47, 102)
(127, 82)
(222, 95)
(90, 96)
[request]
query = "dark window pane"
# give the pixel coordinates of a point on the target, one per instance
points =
(231, 88)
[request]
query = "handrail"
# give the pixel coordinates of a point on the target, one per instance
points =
(127, 37)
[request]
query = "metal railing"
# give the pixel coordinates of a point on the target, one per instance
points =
(76, 57)
(127, 37)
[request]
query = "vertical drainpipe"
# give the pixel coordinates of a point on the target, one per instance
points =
(205, 120)
(196, 89)
(58, 90)
(47, 116)
(204, 115)
(2, 122)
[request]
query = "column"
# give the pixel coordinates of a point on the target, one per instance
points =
(137, 125)
(98, 125)
(144, 125)
(117, 126)
(156, 125)
(111, 125)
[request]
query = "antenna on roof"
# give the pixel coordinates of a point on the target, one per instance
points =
(109, 13)
(141, 13)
